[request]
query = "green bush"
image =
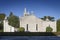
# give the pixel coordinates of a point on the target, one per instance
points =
(49, 29)
(21, 29)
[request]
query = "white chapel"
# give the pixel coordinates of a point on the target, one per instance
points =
(33, 24)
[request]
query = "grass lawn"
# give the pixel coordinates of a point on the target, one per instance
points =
(1, 30)
(56, 33)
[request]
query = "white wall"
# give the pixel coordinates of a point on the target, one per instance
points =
(46, 24)
(7, 27)
(32, 21)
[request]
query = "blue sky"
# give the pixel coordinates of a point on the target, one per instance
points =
(41, 8)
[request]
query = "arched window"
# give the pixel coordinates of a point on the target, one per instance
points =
(36, 26)
(27, 27)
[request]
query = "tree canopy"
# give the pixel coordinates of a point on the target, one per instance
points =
(11, 14)
(49, 17)
(2, 16)
(13, 20)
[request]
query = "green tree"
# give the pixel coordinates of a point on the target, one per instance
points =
(21, 29)
(2, 16)
(13, 20)
(49, 29)
(49, 17)
(11, 14)
(58, 25)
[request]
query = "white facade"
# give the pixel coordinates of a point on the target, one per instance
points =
(33, 24)
(7, 27)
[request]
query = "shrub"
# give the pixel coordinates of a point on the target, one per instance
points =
(21, 29)
(49, 29)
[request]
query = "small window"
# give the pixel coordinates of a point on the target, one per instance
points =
(27, 27)
(36, 26)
